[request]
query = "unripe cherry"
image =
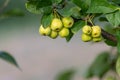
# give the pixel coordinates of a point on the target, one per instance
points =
(44, 31)
(56, 24)
(87, 29)
(86, 37)
(97, 39)
(96, 31)
(64, 32)
(53, 34)
(67, 22)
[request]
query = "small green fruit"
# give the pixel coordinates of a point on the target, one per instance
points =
(97, 39)
(68, 22)
(64, 32)
(53, 34)
(96, 31)
(87, 29)
(44, 31)
(86, 37)
(56, 24)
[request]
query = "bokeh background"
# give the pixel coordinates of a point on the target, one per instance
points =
(39, 57)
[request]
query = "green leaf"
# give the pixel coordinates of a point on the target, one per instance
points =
(14, 12)
(115, 1)
(88, 73)
(118, 39)
(101, 6)
(114, 18)
(66, 75)
(83, 4)
(118, 66)
(76, 13)
(69, 37)
(68, 10)
(101, 58)
(9, 58)
(56, 1)
(110, 43)
(77, 26)
(100, 65)
(100, 69)
(103, 19)
(39, 6)
(46, 20)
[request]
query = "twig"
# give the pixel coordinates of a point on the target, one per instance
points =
(109, 36)
(4, 5)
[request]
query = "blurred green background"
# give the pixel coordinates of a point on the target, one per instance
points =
(40, 58)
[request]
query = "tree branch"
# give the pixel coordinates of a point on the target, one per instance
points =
(109, 36)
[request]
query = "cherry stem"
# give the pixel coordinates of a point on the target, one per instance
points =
(56, 14)
(90, 21)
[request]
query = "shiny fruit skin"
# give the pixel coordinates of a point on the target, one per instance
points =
(56, 24)
(64, 32)
(96, 31)
(87, 29)
(97, 39)
(86, 37)
(67, 22)
(53, 34)
(44, 31)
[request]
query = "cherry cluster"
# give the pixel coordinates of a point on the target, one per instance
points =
(58, 26)
(91, 33)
